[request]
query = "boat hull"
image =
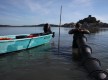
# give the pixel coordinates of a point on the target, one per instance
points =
(24, 43)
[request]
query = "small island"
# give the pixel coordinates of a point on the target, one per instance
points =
(88, 22)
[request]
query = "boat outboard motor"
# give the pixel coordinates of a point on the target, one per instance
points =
(53, 34)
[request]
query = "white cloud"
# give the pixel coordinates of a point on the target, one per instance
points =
(38, 7)
(80, 3)
(48, 10)
(10, 16)
(103, 18)
(79, 9)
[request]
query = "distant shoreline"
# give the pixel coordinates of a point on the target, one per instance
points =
(40, 25)
(68, 25)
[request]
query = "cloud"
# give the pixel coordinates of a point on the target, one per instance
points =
(82, 2)
(13, 16)
(78, 9)
(38, 6)
(102, 18)
(48, 10)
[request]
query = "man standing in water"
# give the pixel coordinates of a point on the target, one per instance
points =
(77, 32)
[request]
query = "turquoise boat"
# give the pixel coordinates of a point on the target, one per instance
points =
(12, 43)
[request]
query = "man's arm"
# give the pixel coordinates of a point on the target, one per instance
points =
(71, 31)
(85, 31)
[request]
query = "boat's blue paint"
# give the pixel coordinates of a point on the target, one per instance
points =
(24, 43)
(40, 40)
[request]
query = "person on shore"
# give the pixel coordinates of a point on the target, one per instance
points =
(47, 28)
(77, 32)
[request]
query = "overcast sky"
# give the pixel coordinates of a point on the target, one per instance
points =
(31, 12)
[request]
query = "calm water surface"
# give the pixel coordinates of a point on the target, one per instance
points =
(45, 63)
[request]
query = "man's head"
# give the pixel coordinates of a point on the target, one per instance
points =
(78, 25)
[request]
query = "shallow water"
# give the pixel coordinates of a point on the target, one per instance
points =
(46, 62)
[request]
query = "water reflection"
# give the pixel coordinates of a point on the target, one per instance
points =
(45, 63)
